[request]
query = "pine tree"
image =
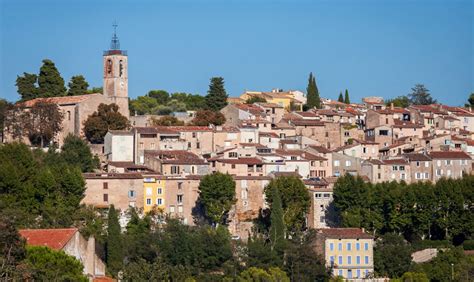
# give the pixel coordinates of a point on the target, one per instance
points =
(77, 86)
(346, 98)
(114, 254)
(310, 93)
(340, 99)
(26, 86)
(50, 82)
(216, 98)
(277, 228)
(420, 96)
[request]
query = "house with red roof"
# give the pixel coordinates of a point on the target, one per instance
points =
(72, 243)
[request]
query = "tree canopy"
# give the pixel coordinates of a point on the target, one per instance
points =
(107, 117)
(255, 99)
(75, 151)
(167, 121)
(27, 86)
(216, 98)
(206, 117)
(217, 195)
(77, 86)
(295, 200)
(312, 93)
(470, 101)
(420, 95)
(400, 101)
(341, 98)
(114, 247)
(347, 100)
(50, 82)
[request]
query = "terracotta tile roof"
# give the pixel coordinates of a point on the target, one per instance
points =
(405, 124)
(249, 161)
(344, 233)
(307, 114)
(312, 157)
(91, 175)
(146, 130)
(55, 239)
(269, 105)
(414, 157)
(103, 279)
(449, 155)
(289, 152)
(66, 100)
(175, 156)
(257, 145)
(345, 147)
(166, 130)
(374, 161)
(268, 134)
(395, 162)
(285, 174)
(303, 122)
(253, 109)
(320, 149)
(190, 128)
(129, 166)
(283, 125)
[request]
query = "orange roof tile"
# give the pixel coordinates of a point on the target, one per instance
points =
(55, 239)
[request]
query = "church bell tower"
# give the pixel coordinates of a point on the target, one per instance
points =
(116, 75)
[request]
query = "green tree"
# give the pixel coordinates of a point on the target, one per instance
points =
(138, 237)
(217, 195)
(312, 93)
(4, 107)
(255, 99)
(207, 117)
(42, 122)
(470, 101)
(161, 96)
(50, 82)
(295, 200)
(346, 97)
(392, 256)
(77, 86)
(260, 253)
(277, 228)
(167, 121)
(216, 98)
(95, 90)
(302, 262)
(254, 274)
(412, 277)
(420, 95)
(144, 105)
(46, 264)
(75, 151)
(12, 250)
(400, 101)
(341, 98)
(27, 86)
(107, 117)
(114, 244)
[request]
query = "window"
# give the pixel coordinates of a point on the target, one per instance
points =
(439, 172)
(180, 209)
(194, 134)
(364, 150)
(402, 167)
(394, 168)
(322, 219)
(189, 145)
(336, 163)
(233, 166)
(105, 185)
(348, 246)
(418, 175)
(349, 260)
(106, 197)
(171, 209)
(232, 154)
(318, 195)
(141, 145)
(159, 201)
(68, 115)
(358, 246)
(448, 172)
(339, 246)
(379, 175)
(340, 259)
(180, 185)
(427, 164)
(131, 194)
(198, 145)
(331, 246)
(349, 273)
(366, 246)
(109, 66)
(358, 259)
(174, 169)
(159, 191)
(120, 68)
(427, 175)
(340, 272)
(348, 163)
(402, 176)
(448, 162)
(148, 201)
(148, 191)
(326, 195)
(438, 162)
(331, 259)
(366, 259)
(179, 199)
(418, 164)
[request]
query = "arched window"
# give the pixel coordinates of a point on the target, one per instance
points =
(121, 68)
(109, 66)
(68, 115)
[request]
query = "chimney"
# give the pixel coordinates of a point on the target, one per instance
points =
(391, 106)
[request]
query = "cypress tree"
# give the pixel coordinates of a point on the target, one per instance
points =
(316, 90)
(77, 86)
(277, 228)
(340, 99)
(216, 98)
(346, 99)
(310, 93)
(26, 86)
(114, 254)
(50, 82)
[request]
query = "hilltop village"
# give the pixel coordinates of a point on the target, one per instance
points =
(156, 162)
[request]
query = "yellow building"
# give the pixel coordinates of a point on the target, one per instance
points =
(284, 99)
(153, 192)
(349, 251)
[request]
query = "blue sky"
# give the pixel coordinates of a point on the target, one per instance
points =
(379, 48)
